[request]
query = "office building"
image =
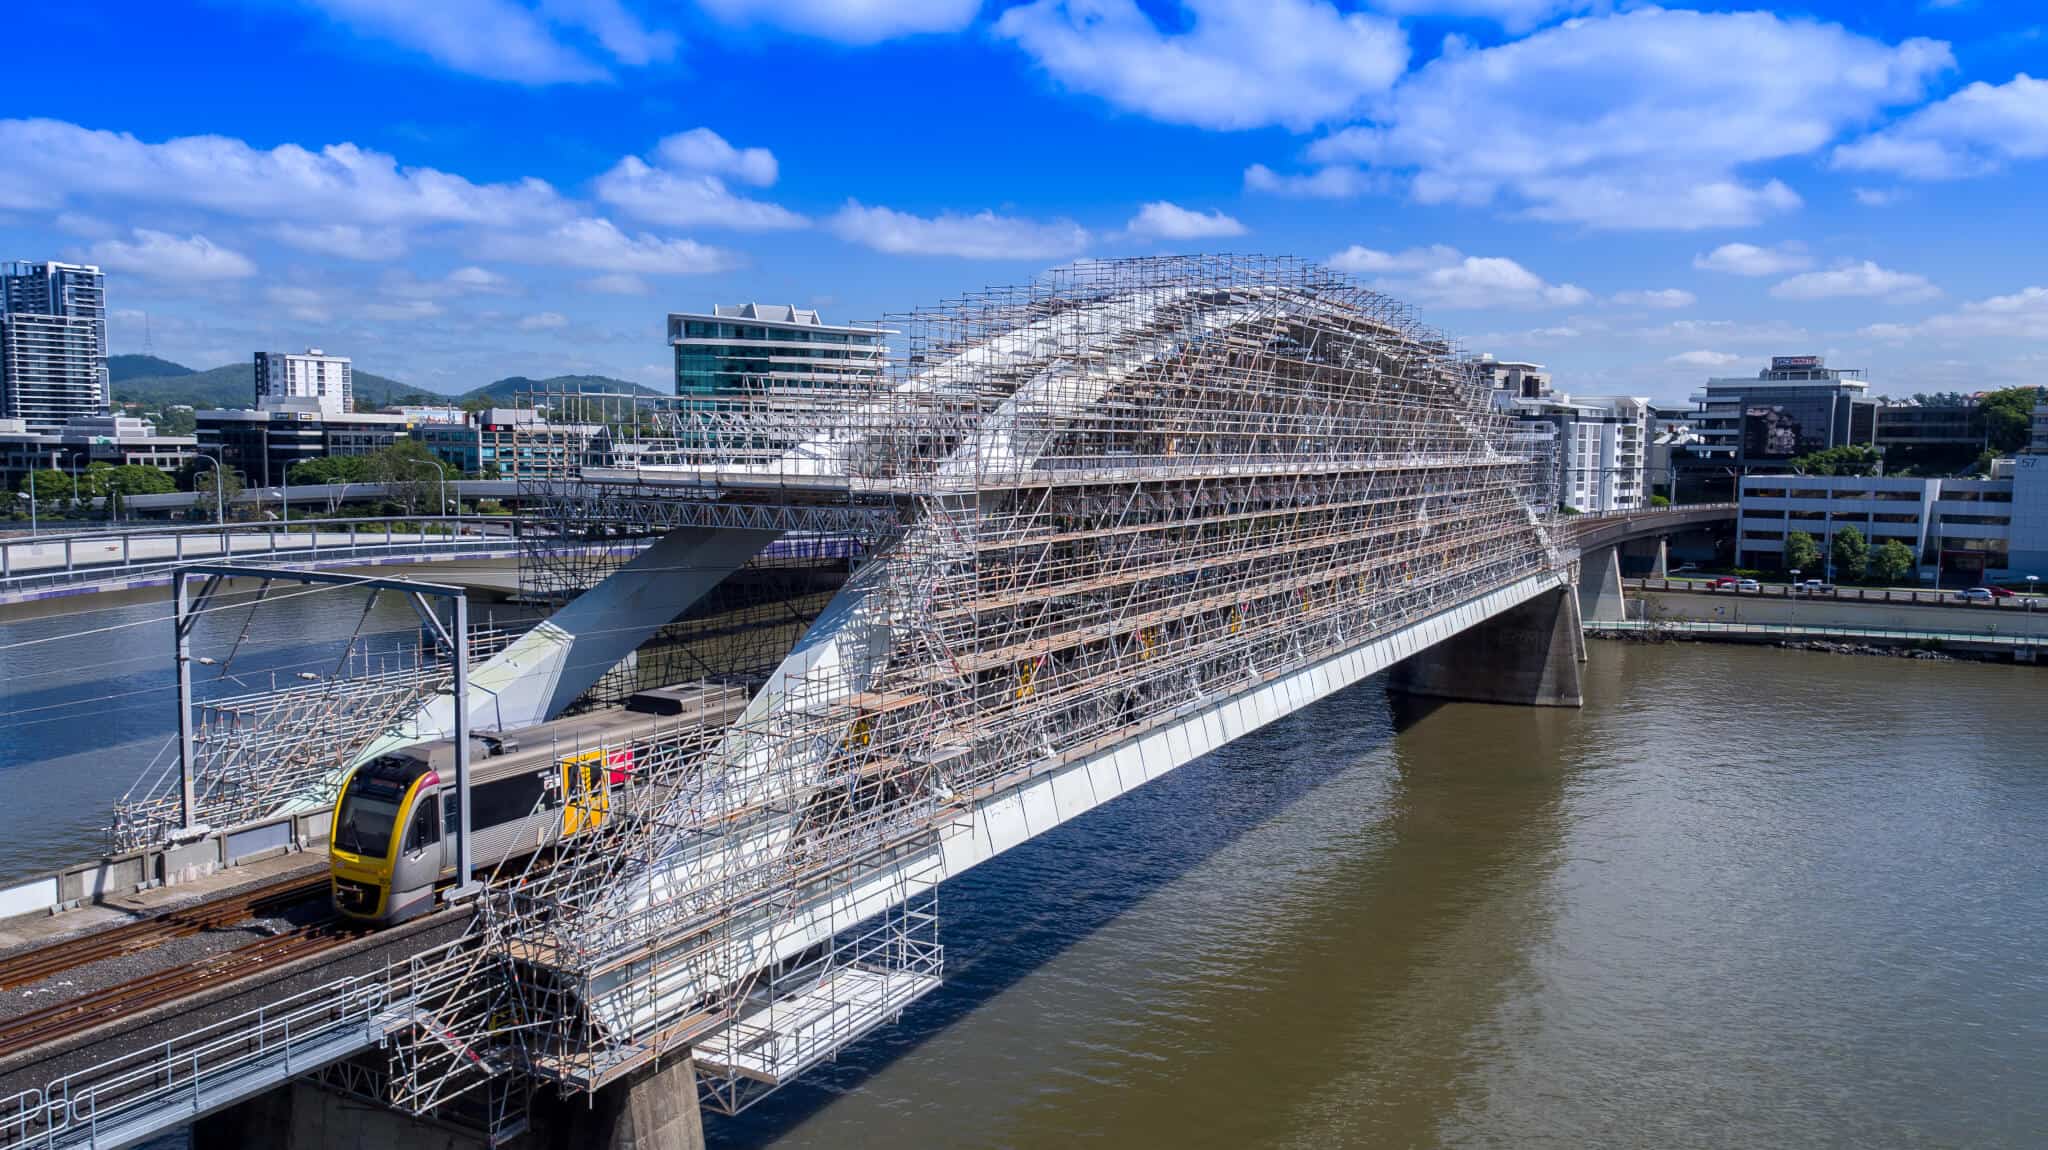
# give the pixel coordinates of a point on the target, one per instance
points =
(1515, 377)
(2039, 442)
(1968, 530)
(1795, 406)
(509, 443)
(264, 444)
(770, 350)
(116, 440)
(53, 343)
(315, 375)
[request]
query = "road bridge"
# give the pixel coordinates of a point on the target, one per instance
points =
(1088, 530)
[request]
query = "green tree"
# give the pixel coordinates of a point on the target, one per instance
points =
(1801, 552)
(1660, 501)
(200, 477)
(331, 469)
(50, 486)
(1849, 459)
(1851, 553)
(136, 479)
(1891, 563)
(2009, 417)
(412, 473)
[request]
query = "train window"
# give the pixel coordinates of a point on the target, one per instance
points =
(425, 830)
(451, 814)
(502, 801)
(363, 824)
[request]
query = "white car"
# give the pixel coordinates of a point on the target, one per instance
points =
(1748, 585)
(1976, 595)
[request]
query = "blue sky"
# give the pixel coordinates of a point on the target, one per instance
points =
(456, 190)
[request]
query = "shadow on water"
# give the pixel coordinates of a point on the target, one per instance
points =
(1011, 917)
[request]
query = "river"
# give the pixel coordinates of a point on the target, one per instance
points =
(1745, 897)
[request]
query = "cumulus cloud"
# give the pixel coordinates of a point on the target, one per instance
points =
(617, 284)
(1447, 278)
(304, 304)
(543, 321)
(981, 236)
(1751, 260)
(703, 150)
(1634, 120)
(849, 21)
(1977, 130)
(686, 186)
(1224, 64)
(401, 311)
(1862, 280)
(345, 241)
(1662, 298)
(50, 163)
(2021, 315)
(1335, 182)
(1704, 358)
(549, 43)
(160, 255)
(600, 245)
(1168, 221)
(1878, 197)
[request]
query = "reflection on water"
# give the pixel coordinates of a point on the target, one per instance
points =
(1746, 897)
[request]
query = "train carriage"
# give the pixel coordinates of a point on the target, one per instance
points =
(392, 841)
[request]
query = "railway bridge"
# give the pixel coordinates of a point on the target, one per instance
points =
(1087, 530)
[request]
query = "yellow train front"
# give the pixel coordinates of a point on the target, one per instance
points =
(392, 842)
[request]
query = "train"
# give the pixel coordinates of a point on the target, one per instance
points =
(391, 844)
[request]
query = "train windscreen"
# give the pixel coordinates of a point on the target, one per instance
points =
(369, 807)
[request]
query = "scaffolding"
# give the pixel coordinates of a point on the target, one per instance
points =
(1071, 510)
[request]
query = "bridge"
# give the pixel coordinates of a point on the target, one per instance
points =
(1087, 530)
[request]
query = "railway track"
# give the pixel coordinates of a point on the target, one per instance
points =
(129, 938)
(61, 1019)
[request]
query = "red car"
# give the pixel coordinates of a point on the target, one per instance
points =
(1723, 581)
(1999, 592)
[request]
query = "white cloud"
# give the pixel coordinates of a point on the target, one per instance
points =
(507, 40)
(300, 303)
(160, 255)
(1335, 182)
(1635, 120)
(599, 244)
(982, 236)
(464, 281)
(1662, 298)
(1976, 130)
(617, 284)
(2021, 315)
(1863, 280)
(1168, 221)
(849, 21)
(703, 150)
(1444, 277)
(1878, 197)
(685, 199)
(1705, 358)
(543, 321)
(1751, 260)
(347, 241)
(50, 162)
(404, 311)
(1229, 64)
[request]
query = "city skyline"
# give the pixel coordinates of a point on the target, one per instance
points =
(1639, 198)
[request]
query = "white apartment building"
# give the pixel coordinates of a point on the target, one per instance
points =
(1968, 529)
(330, 379)
(53, 342)
(1597, 445)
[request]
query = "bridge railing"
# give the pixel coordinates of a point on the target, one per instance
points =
(168, 1084)
(76, 557)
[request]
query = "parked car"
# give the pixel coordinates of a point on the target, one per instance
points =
(2000, 592)
(1748, 585)
(1813, 587)
(1976, 595)
(1682, 568)
(1723, 581)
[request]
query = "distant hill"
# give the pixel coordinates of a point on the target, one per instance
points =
(122, 368)
(507, 390)
(232, 385)
(156, 383)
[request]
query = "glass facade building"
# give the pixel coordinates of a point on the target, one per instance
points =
(760, 350)
(1796, 406)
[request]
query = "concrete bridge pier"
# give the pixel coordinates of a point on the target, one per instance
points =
(1528, 655)
(1600, 586)
(653, 1110)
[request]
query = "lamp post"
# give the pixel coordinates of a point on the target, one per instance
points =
(436, 465)
(2033, 589)
(220, 502)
